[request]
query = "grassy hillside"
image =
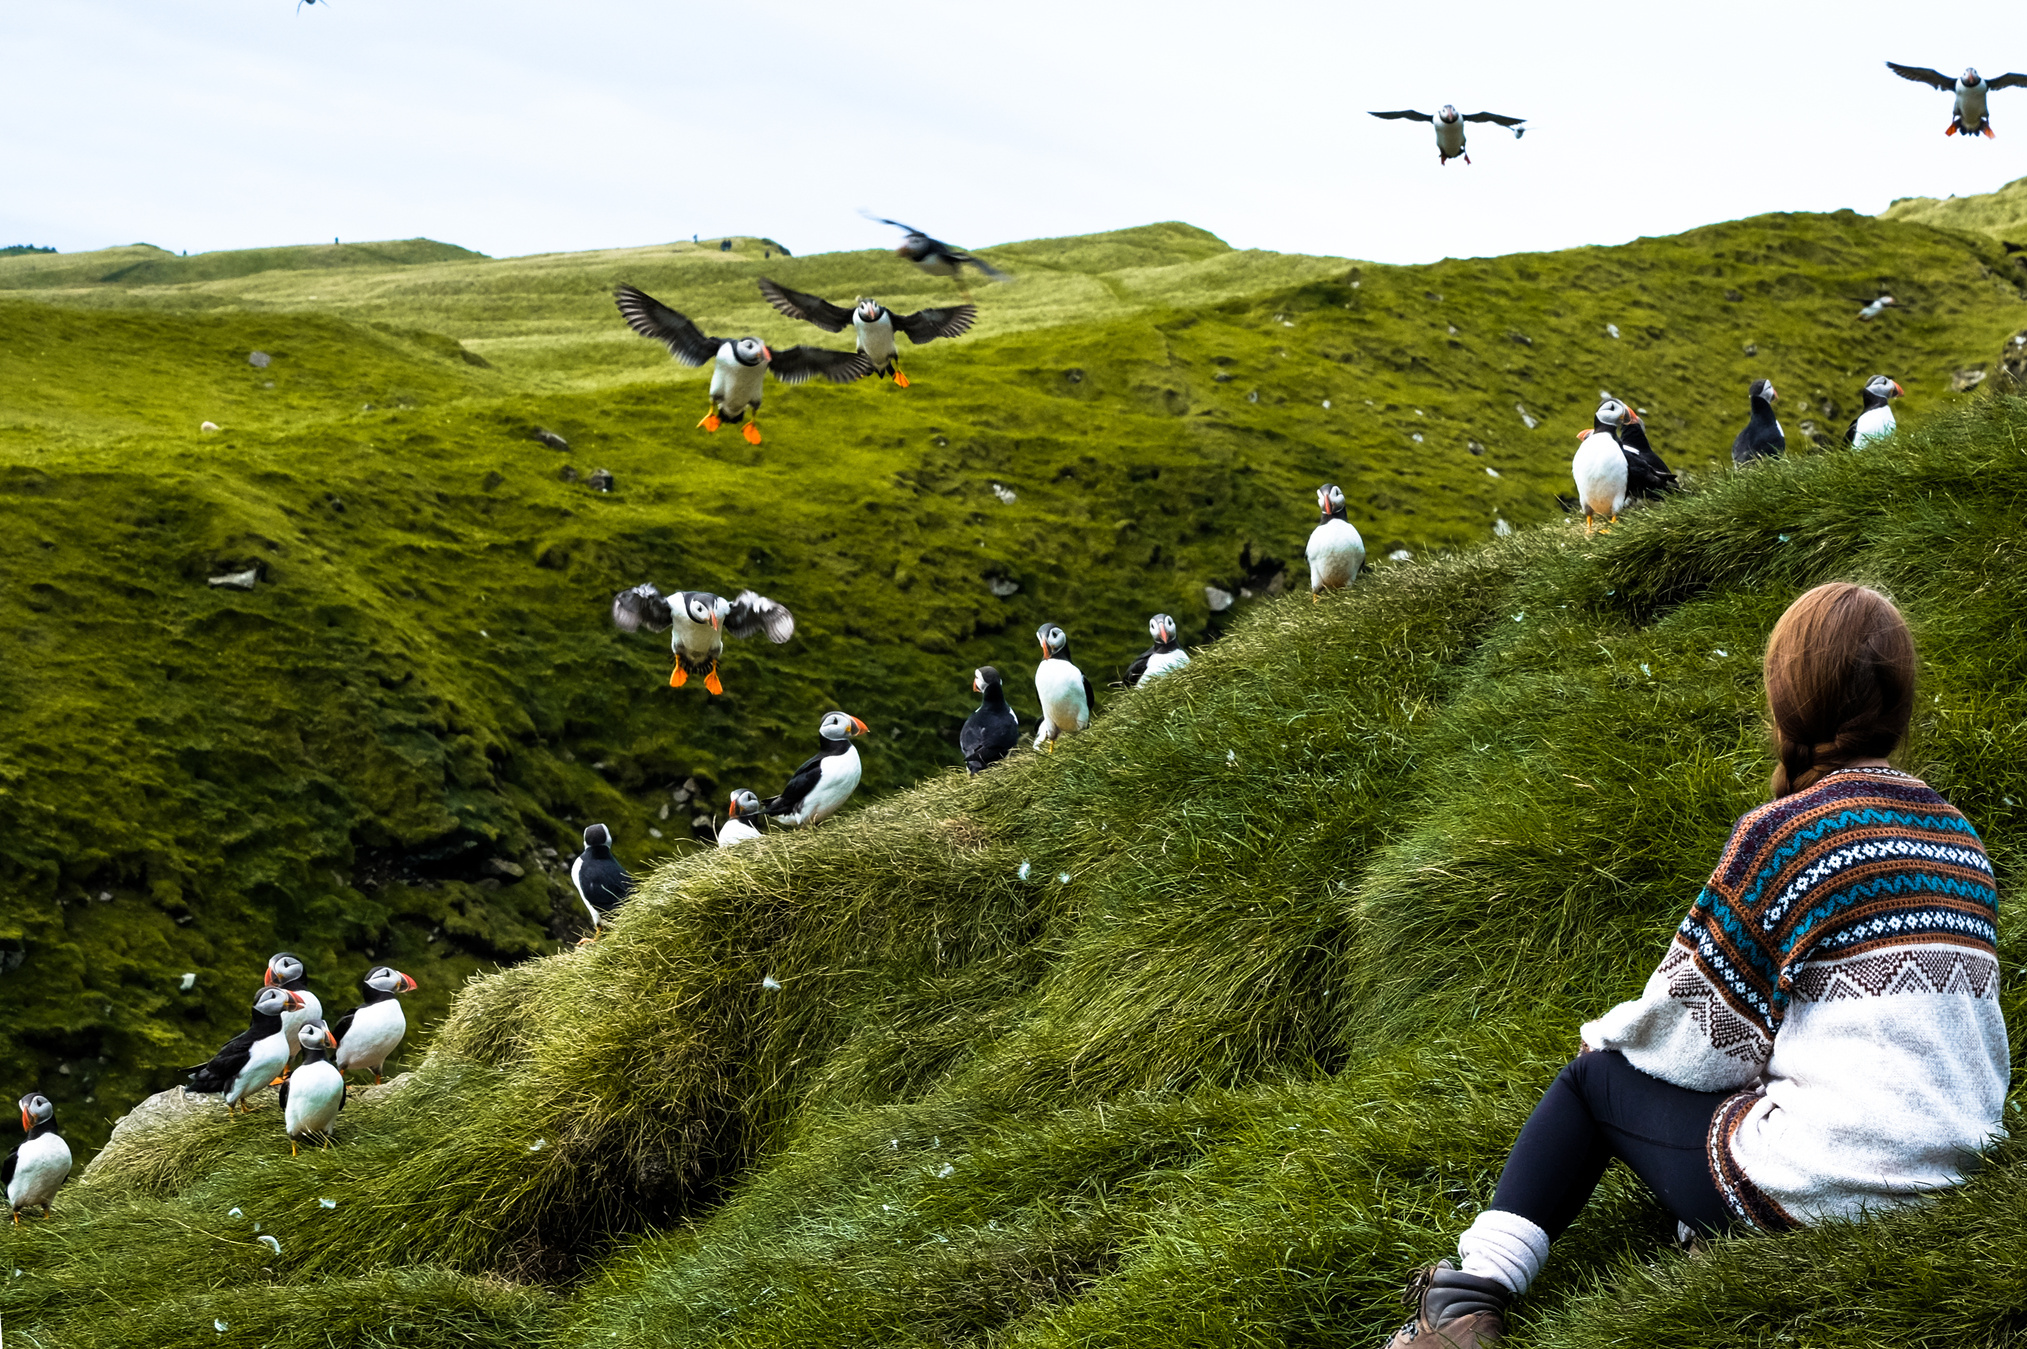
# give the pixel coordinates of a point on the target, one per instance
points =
(2001, 214)
(1200, 1031)
(383, 752)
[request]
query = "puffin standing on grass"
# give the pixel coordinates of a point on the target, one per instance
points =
(738, 364)
(36, 1170)
(991, 732)
(1876, 421)
(371, 1031)
(602, 883)
(743, 806)
(1602, 473)
(1336, 552)
(937, 258)
(1065, 694)
(1968, 116)
(874, 323)
(700, 621)
(1166, 654)
(826, 780)
(286, 970)
(251, 1059)
(1763, 437)
(315, 1092)
(1449, 124)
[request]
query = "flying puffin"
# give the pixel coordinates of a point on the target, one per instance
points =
(285, 970)
(36, 1170)
(601, 882)
(1876, 421)
(1335, 551)
(737, 363)
(874, 323)
(700, 620)
(938, 258)
(1066, 697)
(1763, 437)
(250, 1059)
(371, 1031)
(743, 806)
(1646, 476)
(1602, 472)
(1969, 114)
(826, 780)
(1166, 654)
(1449, 125)
(315, 1092)
(991, 732)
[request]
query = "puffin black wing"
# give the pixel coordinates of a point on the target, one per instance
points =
(344, 1024)
(1923, 75)
(1511, 123)
(753, 613)
(1090, 699)
(1646, 475)
(1851, 433)
(641, 607)
(1408, 113)
(799, 365)
(651, 318)
(800, 784)
(217, 1074)
(911, 231)
(2010, 80)
(283, 1099)
(7, 1167)
(988, 737)
(806, 308)
(929, 324)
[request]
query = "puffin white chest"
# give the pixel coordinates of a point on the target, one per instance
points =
(40, 1167)
(269, 1055)
(1450, 138)
(1059, 686)
(316, 1094)
(876, 339)
(1161, 662)
(1873, 424)
(699, 642)
(937, 265)
(1971, 105)
(296, 1018)
(735, 388)
(375, 1031)
(837, 777)
(732, 833)
(1335, 552)
(1599, 469)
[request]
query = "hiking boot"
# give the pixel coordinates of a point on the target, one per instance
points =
(1453, 1310)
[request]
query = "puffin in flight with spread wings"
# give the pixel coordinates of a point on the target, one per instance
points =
(738, 364)
(1969, 115)
(1449, 125)
(874, 323)
(700, 621)
(937, 258)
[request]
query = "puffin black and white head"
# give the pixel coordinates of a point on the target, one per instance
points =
(1336, 550)
(1065, 694)
(602, 883)
(1610, 417)
(35, 1171)
(742, 808)
(697, 621)
(373, 1030)
(1876, 421)
(824, 781)
(991, 732)
(1165, 655)
(285, 969)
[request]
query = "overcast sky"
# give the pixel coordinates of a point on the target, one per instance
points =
(519, 127)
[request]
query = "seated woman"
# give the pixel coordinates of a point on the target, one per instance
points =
(1823, 1038)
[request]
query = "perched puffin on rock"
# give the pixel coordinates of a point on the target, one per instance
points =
(1336, 552)
(873, 322)
(1876, 421)
(738, 364)
(36, 1170)
(1166, 654)
(991, 732)
(743, 806)
(1646, 476)
(602, 883)
(371, 1031)
(1065, 694)
(1449, 124)
(700, 621)
(251, 1059)
(315, 1092)
(938, 258)
(1763, 437)
(285, 970)
(1968, 116)
(827, 779)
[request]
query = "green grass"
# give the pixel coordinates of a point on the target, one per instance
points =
(2001, 214)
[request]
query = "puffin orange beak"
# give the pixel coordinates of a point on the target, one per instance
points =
(1632, 416)
(976, 686)
(296, 1002)
(407, 984)
(26, 1122)
(1899, 392)
(766, 352)
(330, 1040)
(1581, 435)
(716, 623)
(860, 724)
(267, 980)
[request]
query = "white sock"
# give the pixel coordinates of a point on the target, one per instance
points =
(1505, 1247)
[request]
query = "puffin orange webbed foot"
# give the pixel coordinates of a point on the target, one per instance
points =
(752, 434)
(900, 379)
(678, 677)
(711, 681)
(710, 422)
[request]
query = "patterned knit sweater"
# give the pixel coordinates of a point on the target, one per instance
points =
(1839, 970)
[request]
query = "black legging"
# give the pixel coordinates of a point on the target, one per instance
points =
(1601, 1107)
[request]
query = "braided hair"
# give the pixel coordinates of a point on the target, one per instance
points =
(1840, 672)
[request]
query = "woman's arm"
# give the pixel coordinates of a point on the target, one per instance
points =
(1682, 1028)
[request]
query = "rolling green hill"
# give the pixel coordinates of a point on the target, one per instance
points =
(2001, 214)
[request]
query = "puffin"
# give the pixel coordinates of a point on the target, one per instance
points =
(1603, 473)
(743, 806)
(826, 780)
(1763, 437)
(874, 323)
(1065, 694)
(251, 1059)
(1166, 654)
(285, 970)
(1968, 116)
(601, 882)
(937, 258)
(1875, 422)
(738, 364)
(1646, 476)
(36, 1170)
(700, 621)
(315, 1093)
(1449, 124)
(371, 1031)
(991, 732)
(1335, 551)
